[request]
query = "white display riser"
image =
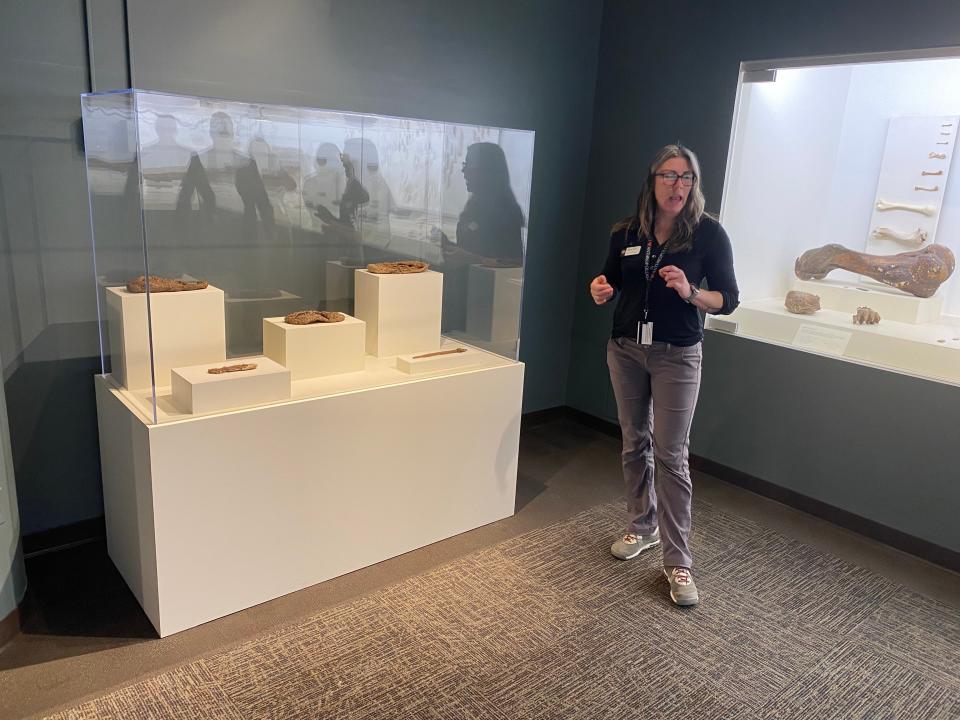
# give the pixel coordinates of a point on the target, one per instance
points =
(316, 350)
(890, 303)
(402, 311)
(215, 514)
(493, 303)
(915, 349)
(196, 390)
(187, 328)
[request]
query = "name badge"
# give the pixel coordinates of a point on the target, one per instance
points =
(634, 250)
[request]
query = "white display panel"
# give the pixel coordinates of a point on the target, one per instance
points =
(812, 153)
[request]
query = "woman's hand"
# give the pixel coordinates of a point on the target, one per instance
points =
(675, 278)
(601, 290)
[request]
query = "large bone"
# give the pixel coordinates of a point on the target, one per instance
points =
(917, 237)
(883, 205)
(919, 272)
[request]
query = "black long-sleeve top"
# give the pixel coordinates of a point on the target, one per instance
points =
(674, 321)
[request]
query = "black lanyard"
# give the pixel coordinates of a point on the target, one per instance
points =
(648, 272)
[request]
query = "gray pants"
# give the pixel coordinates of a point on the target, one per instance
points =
(656, 388)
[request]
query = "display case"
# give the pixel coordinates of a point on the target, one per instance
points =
(309, 326)
(273, 210)
(838, 201)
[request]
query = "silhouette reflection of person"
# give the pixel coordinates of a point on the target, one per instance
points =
(342, 229)
(324, 186)
(216, 172)
(375, 214)
(489, 231)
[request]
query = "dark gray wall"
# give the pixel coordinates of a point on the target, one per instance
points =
(529, 64)
(867, 441)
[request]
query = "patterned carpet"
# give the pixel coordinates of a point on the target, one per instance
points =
(549, 625)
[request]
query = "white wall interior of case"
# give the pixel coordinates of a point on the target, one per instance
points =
(196, 390)
(305, 482)
(316, 350)
(906, 155)
(188, 329)
(402, 311)
(493, 303)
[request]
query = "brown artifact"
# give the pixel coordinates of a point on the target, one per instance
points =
(440, 352)
(232, 368)
(162, 284)
(308, 317)
(802, 303)
(866, 316)
(919, 272)
(402, 267)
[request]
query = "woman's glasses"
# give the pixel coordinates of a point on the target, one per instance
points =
(670, 178)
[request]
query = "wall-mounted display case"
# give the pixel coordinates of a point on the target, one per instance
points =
(245, 453)
(275, 209)
(839, 201)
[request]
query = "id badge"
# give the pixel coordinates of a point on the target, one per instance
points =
(646, 333)
(632, 250)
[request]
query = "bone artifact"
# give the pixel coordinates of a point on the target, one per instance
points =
(922, 209)
(938, 156)
(402, 267)
(308, 317)
(944, 133)
(944, 142)
(241, 367)
(866, 316)
(441, 352)
(919, 272)
(935, 188)
(802, 303)
(918, 236)
(946, 125)
(162, 284)
(932, 172)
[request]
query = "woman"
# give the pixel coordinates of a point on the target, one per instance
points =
(658, 258)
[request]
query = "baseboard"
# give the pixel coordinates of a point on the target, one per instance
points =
(937, 554)
(61, 538)
(9, 627)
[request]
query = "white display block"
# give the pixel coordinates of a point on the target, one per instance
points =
(402, 312)
(214, 514)
(891, 304)
(316, 350)
(415, 364)
(930, 350)
(493, 303)
(187, 328)
(196, 390)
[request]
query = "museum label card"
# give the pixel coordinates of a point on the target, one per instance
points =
(821, 339)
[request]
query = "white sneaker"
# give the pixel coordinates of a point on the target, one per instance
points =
(631, 545)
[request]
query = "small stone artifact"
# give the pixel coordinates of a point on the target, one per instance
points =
(919, 272)
(441, 352)
(917, 237)
(802, 303)
(403, 267)
(309, 317)
(241, 367)
(922, 209)
(162, 284)
(866, 316)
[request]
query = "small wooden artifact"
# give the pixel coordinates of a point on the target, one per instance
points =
(162, 284)
(866, 316)
(309, 317)
(403, 267)
(919, 272)
(802, 303)
(440, 352)
(240, 367)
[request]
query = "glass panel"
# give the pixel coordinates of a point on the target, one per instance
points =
(242, 213)
(838, 187)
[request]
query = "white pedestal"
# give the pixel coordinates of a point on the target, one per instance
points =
(188, 329)
(309, 351)
(891, 304)
(214, 514)
(195, 390)
(416, 365)
(402, 312)
(493, 303)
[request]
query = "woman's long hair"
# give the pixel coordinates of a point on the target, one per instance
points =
(682, 238)
(492, 189)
